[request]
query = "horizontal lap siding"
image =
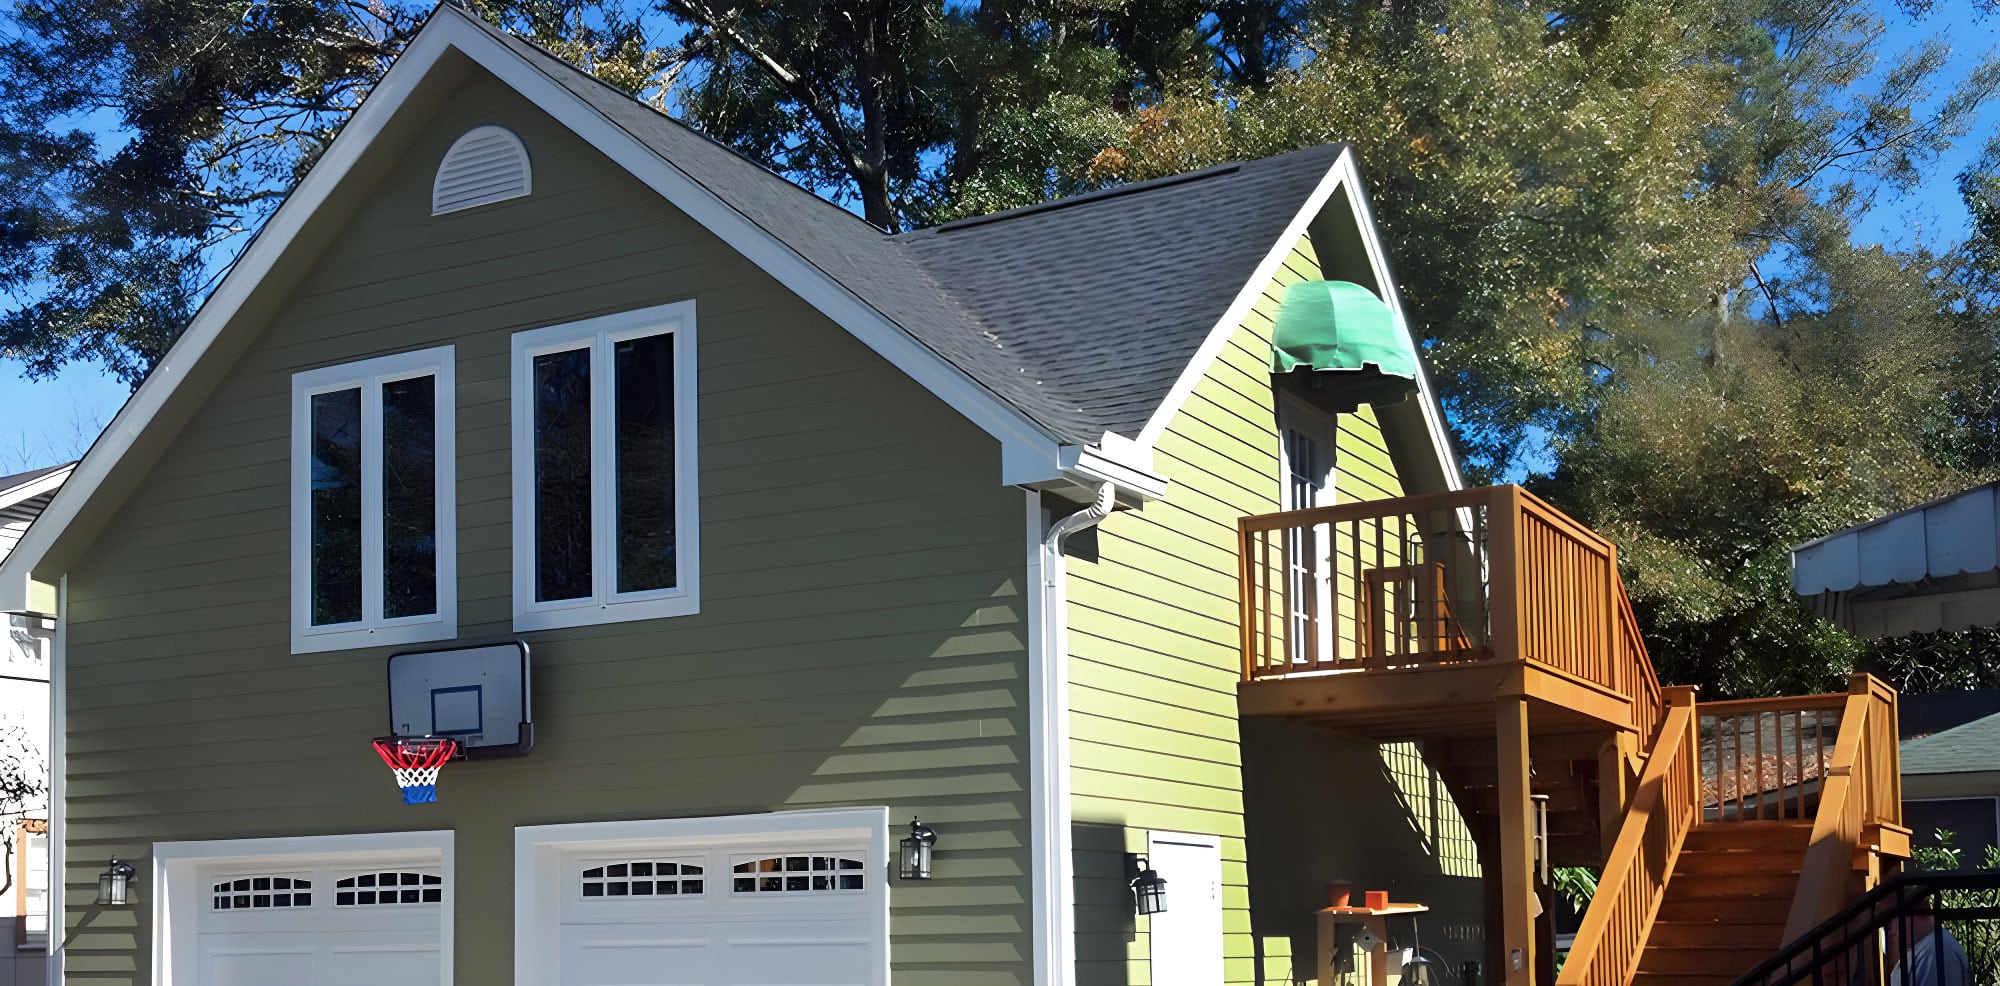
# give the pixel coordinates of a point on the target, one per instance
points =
(861, 634)
(1155, 656)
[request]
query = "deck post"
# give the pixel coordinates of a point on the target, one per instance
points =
(1614, 785)
(1517, 845)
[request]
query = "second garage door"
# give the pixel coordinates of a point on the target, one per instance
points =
(743, 912)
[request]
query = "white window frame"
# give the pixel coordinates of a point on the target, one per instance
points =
(605, 604)
(369, 375)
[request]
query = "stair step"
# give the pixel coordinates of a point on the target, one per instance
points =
(1724, 933)
(1745, 910)
(1727, 886)
(1710, 861)
(1677, 979)
(1701, 961)
(1750, 836)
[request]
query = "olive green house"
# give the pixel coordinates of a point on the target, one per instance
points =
(803, 531)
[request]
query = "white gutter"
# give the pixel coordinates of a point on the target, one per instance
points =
(1054, 912)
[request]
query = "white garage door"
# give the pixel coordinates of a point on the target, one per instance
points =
(342, 925)
(729, 914)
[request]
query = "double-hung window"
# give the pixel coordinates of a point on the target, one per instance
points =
(604, 470)
(373, 552)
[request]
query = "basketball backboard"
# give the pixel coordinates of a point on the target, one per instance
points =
(475, 695)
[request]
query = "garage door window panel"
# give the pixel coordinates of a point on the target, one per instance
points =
(802, 873)
(388, 888)
(675, 877)
(263, 892)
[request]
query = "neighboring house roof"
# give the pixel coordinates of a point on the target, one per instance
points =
(1954, 535)
(1919, 714)
(1965, 749)
(1069, 331)
(23, 497)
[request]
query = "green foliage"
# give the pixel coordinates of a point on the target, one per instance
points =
(1576, 884)
(1945, 661)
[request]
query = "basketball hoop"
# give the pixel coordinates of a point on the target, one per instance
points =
(415, 760)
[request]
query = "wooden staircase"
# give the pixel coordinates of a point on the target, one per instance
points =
(1725, 905)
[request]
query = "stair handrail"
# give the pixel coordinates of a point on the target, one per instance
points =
(1804, 958)
(1861, 790)
(1648, 703)
(1665, 805)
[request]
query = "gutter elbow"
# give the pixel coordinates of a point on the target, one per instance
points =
(1088, 517)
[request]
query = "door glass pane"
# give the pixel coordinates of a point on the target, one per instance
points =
(562, 475)
(409, 497)
(644, 419)
(336, 507)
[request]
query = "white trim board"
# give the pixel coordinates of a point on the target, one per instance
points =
(176, 864)
(1029, 454)
(539, 849)
(1345, 177)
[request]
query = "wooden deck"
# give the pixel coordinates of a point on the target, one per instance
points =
(1495, 630)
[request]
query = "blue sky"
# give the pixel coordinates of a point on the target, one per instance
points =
(47, 421)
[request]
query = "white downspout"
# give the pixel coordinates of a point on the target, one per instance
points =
(1048, 728)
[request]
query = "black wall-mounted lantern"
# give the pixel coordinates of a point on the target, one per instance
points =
(916, 861)
(115, 883)
(1148, 890)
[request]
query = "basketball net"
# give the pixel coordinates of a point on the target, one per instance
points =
(416, 760)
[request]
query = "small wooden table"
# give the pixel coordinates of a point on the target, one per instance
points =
(1376, 921)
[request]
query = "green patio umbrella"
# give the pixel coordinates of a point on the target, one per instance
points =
(1347, 338)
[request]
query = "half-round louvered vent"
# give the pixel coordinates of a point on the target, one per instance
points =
(488, 164)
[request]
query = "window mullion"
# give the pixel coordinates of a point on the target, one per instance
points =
(603, 473)
(371, 501)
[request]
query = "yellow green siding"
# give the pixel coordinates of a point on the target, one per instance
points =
(1155, 740)
(1155, 657)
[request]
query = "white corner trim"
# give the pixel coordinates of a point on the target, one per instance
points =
(1343, 176)
(1028, 450)
(1052, 909)
(58, 786)
(174, 899)
(369, 376)
(597, 337)
(538, 852)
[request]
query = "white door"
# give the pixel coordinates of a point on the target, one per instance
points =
(1308, 435)
(1186, 938)
(319, 926)
(740, 912)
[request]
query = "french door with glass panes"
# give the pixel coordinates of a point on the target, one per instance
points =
(1307, 436)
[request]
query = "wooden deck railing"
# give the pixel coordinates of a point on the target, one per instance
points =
(1664, 806)
(1860, 795)
(1767, 758)
(1492, 573)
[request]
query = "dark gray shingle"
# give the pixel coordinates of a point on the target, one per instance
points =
(1080, 313)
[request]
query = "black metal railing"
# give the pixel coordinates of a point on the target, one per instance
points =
(1896, 933)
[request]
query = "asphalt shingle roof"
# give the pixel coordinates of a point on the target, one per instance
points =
(1081, 313)
(1969, 748)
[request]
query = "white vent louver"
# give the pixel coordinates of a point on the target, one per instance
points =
(488, 164)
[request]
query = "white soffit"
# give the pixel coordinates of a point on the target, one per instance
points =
(1958, 535)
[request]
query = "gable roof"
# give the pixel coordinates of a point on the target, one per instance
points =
(1165, 257)
(1009, 319)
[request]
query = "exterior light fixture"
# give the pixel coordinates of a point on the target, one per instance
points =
(1148, 889)
(114, 883)
(916, 861)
